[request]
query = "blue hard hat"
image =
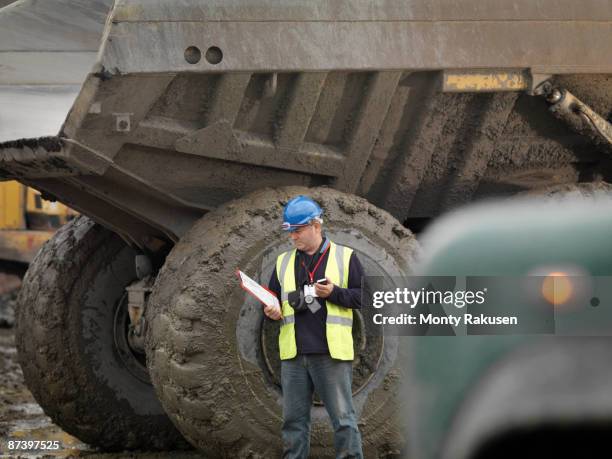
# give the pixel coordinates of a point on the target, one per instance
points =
(300, 211)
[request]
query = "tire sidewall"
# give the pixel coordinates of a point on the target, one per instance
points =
(246, 235)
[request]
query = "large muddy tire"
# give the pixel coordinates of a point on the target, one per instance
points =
(67, 317)
(212, 357)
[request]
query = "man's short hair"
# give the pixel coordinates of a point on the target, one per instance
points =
(317, 220)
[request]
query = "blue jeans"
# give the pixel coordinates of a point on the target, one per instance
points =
(331, 379)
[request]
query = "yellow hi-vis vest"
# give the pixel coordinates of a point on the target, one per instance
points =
(339, 326)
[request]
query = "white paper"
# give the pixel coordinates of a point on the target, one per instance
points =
(266, 297)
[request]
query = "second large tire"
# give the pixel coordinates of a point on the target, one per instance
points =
(67, 342)
(212, 357)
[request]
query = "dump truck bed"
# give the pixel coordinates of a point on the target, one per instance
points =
(417, 106)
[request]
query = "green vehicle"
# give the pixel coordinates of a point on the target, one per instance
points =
(520, 395)
(200, 118)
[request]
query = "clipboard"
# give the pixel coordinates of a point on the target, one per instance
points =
(260, 292)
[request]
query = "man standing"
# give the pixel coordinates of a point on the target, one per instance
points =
(319, 285)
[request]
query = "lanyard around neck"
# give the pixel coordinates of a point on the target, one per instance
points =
(312, 273)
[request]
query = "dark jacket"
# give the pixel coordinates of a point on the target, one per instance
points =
(310, 328)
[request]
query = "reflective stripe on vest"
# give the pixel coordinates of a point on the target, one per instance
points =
(339, 325)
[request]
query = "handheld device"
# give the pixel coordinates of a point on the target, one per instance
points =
(322, 281)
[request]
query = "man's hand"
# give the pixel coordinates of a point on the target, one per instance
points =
(273, 312)
(324, 290)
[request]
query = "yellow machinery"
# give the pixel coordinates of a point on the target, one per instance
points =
(27, 221)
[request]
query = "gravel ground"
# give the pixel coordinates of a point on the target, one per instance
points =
(22, 419)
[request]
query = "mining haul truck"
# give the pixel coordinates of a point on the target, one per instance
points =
(197, 123)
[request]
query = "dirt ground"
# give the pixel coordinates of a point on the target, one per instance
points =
(22, 419)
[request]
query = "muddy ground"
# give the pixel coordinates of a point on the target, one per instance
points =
(7, 309)
(22, 419)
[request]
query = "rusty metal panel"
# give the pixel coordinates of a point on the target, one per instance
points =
(486, 80)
